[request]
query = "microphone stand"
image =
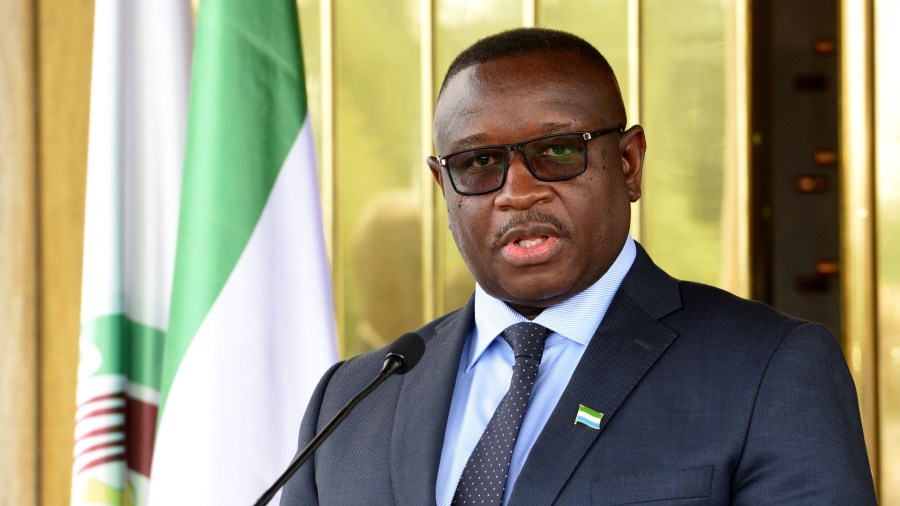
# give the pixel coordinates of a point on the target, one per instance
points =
(392, 363)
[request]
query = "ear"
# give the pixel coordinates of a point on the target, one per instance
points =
(633, 145)
(436, 171)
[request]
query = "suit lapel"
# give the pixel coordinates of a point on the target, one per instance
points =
(422, 410)
(626, 345)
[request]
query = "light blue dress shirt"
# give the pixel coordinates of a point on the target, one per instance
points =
(485, 371)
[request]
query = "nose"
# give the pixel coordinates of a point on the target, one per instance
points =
(521, 190)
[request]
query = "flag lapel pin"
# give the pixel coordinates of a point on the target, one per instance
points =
(588, 417)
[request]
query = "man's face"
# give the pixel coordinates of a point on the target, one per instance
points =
(534, 243)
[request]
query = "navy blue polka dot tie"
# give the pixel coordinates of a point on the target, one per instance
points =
(484, 478)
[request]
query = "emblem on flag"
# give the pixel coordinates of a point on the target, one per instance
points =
(588, 417)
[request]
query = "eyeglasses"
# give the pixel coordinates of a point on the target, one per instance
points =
(554, 157)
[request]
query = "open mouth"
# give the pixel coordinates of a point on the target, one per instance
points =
(531, 249)
(530, 243)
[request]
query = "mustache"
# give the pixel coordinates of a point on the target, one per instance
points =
(532, 217)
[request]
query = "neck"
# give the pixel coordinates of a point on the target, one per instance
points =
(528, 312)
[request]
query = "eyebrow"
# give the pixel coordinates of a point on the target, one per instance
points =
(478, 139)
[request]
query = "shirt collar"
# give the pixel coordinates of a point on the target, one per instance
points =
(575, 319)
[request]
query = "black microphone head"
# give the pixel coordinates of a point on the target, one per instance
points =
(408, 348)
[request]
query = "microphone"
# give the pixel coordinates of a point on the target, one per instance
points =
(400, 357)
(403, 354)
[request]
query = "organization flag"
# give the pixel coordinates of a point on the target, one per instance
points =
(139, 92)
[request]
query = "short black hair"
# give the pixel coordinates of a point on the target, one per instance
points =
(519, 41)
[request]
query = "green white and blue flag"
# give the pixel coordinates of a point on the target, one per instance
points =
(588, 417)
(251, 325)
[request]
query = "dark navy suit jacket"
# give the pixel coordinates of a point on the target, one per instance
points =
(707, 399)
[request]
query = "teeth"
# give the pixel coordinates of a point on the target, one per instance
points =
(530, 243)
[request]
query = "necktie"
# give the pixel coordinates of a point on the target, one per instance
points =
(484, 477)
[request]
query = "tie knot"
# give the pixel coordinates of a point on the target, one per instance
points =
(526, 339)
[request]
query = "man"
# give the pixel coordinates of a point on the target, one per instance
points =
(633, 387)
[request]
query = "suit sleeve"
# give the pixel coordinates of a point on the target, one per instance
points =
(301, 488)
(805, 443)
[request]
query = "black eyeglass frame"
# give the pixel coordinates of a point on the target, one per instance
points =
(509, 148)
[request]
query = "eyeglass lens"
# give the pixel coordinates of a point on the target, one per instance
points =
(550, 158)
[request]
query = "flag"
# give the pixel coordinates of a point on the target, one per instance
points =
(139, 91)
(251, 324)
(588, 417)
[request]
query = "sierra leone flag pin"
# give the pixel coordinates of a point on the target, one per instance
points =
(588, 417)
